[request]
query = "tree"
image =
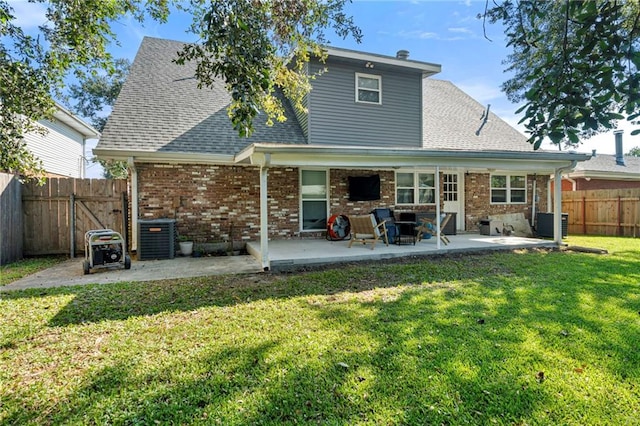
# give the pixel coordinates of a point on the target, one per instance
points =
(256, 46)
(92, 98)
(575, 65)
(32, 69)
(635, 151)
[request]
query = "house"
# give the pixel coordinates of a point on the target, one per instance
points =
(603, 171)
(375, 117)
(61, 147)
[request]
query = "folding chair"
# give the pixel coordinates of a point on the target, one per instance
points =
(365, 229)
(429, 226)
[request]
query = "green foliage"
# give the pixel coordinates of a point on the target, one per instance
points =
(575, 65)
(635, 151)
(252, 46)
(74, 39)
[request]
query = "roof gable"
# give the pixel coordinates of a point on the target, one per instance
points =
(161, 109)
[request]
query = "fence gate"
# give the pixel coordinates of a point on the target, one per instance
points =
(57, 215)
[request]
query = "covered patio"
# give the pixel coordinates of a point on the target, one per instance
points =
(296, 253)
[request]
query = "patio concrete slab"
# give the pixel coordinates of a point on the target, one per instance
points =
(284, 254)
(70, 272)
(288, 254)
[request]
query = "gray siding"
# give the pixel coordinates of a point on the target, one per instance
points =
(303, 117)
(337, 119)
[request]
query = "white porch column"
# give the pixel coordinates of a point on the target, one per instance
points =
(437, 207)
(557, 207)
(264, 218)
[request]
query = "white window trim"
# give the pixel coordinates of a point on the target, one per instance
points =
(371, 76)
(326, 199)
(508, 188)
(416, 188)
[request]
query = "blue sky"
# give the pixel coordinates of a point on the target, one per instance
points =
(446, 32)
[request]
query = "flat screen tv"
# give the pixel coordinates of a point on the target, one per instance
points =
(364, 188)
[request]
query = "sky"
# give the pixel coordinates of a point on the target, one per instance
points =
(445, 32)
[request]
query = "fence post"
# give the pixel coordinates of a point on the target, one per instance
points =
(72, 225)
(584, 215)
(620, 231)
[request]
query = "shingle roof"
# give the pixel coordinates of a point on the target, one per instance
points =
(452, 120)
(603, 163)
(160, 108)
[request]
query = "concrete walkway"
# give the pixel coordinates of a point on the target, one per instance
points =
(284, 255)
(70, 272)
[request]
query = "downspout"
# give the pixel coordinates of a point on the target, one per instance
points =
(438, 207)
(557, 205)
(134, 203)
(533, 201)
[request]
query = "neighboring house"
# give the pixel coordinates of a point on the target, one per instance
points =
(603, 171)
(369, 115)
(61, 147)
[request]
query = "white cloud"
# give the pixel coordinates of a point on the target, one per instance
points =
(417, 34)
(480, 91)
(28, 15)
(461, 30)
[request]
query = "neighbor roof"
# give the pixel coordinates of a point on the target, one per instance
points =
(161, 109)
(604, 166)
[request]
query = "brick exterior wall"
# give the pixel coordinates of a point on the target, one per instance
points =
(478, 193)
(583, 184)
(207, 201)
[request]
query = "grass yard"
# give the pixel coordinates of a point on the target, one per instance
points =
(16, 270)
(522, 338)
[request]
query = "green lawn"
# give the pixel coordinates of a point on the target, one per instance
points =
(522, 338)
(16, 270)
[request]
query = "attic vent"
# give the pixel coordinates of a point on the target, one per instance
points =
(402, 54)
(156, 239)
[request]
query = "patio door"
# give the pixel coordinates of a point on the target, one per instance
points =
(452, 192)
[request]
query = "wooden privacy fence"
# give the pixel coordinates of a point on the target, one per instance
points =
(10, 219)
(57, 215)
(603, 212)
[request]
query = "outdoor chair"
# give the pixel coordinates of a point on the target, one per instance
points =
(365, 229)
(428, 226)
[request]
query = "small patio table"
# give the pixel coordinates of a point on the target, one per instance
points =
(406, 232)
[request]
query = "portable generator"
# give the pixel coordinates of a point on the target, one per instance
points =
(104, 248)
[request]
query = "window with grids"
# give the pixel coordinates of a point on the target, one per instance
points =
(450, 187)
(415, 188)
(368, 88)
(508, 189)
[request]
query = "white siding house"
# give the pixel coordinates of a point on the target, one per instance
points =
(62, 148)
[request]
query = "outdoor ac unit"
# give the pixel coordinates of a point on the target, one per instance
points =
(156, 239)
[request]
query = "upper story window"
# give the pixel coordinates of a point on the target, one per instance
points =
(508, 189)
(415, 188)
(368, 88)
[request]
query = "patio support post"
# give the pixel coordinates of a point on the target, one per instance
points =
(557, 207)
(437, 183)
(557, 202)
(264, 215)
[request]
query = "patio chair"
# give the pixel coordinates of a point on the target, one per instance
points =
(386, 215)
(365, 229)
(428, 226)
